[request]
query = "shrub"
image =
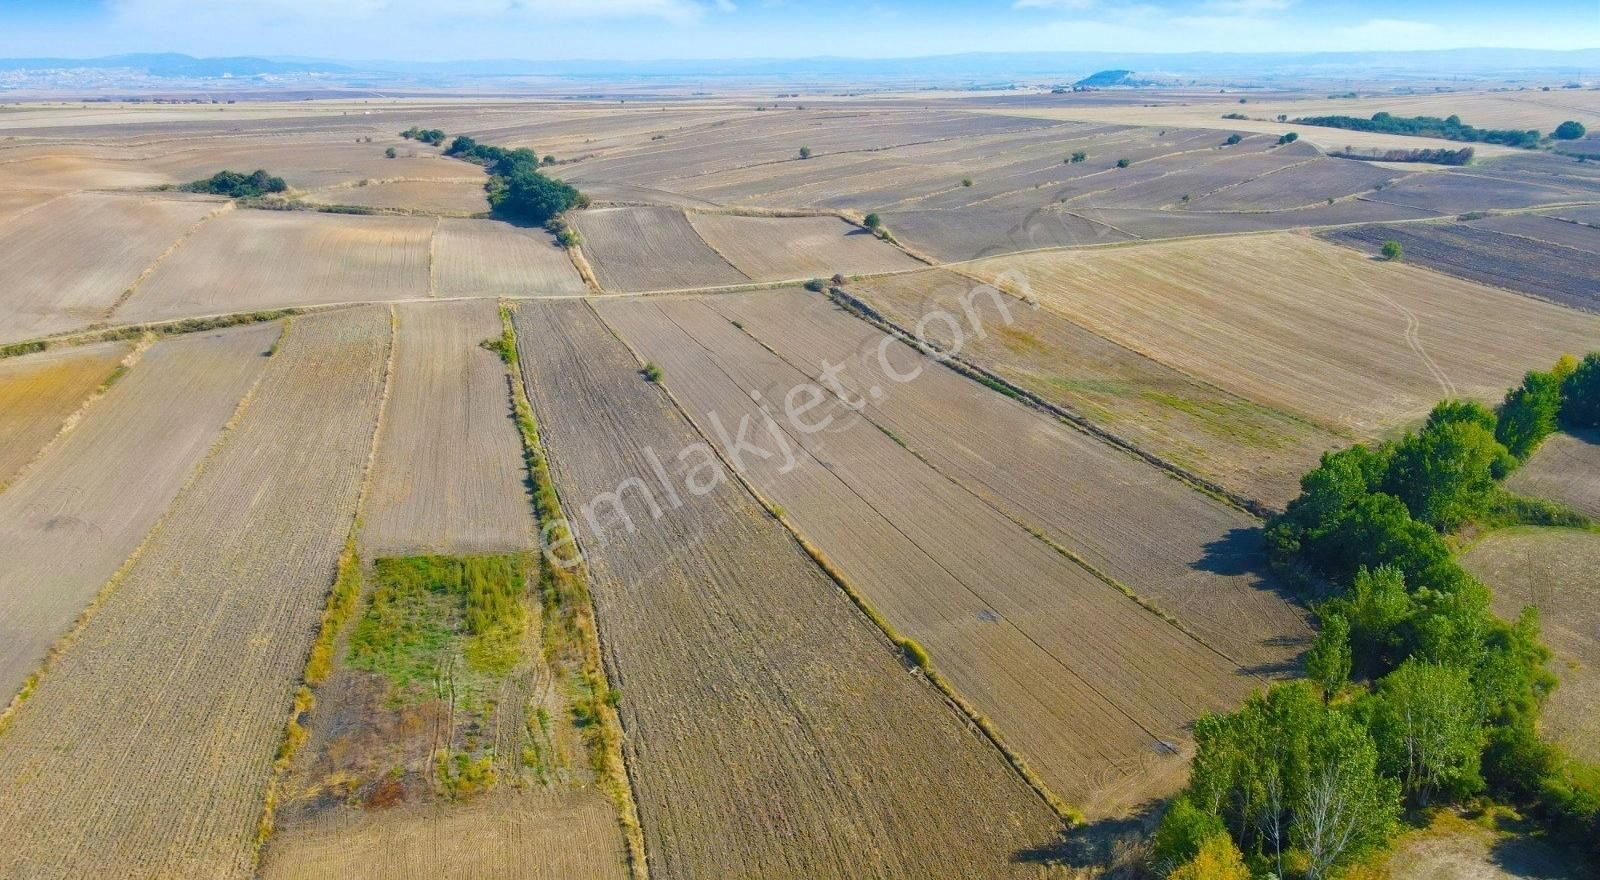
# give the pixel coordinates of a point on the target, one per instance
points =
(652, 372)
(1077, 157)
(966, 181)
(1569, 131)
(1233, 139)
(1123, 163)
(569, 238)
(1234, 116)
(816, 285)
(238, 186)
(1392, 251)
(390, 153)
(805, 152)
(1289, 138)
(1218, 859)
(873, 221)
(1183, 830)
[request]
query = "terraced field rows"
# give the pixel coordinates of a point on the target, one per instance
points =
(40, 391)
(772, 731)
(147, 748)
(448, 477)
(1093, 690)
(73, 518)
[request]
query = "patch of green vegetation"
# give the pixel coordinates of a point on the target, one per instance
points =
(1240, 421)
(428, 612)
(238, 186)
(652, 372)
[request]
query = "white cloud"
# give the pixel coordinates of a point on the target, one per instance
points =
(1248, 7)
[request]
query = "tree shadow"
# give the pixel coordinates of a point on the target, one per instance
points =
(1529, 858)
(1242, 553)
(1115, 845)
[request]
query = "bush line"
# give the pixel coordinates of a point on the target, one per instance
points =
(571, 633)
(134, 331)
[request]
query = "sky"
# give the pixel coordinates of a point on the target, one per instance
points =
(437, 30)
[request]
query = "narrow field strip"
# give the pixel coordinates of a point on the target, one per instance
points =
(39, 392)
(148, 748)
(81, 509)
(754, 694)
(448, 475)
(1085, 683)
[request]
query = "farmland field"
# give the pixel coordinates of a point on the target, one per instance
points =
(148, 744)
(754, 695)
(1545, 270)
(488, 258)
(1244, 446)
(249, 260)
(447, 476)
(1565, 469)
(1321, 332)
(651, 249)
(86, 504)
(447, 197)
(69, 263)
(789, 248)
(1075, 675)
(39, 392)
(1547, 229)
(1558, 572)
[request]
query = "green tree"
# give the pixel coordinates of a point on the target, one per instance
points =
(1377, 611)
(1233, 139)
(1428, 730)
(390, 153)
(1392, 251)
(1529, 414)
(1446, 475)
(1184, 829)
(873, 221)
(529, 197)
(1289, 138)
(805, 152)
(1328, 662)
(1580, 395)
(1123, 163)
(1570, 130)
(1217, 859)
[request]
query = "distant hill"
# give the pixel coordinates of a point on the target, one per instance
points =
(1110, 78)
(171, 64)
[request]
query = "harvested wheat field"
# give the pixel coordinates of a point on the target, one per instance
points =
(66, 267)
(509, 835)
(448, 475)
(1079, 678)
(40, 392)
(148, 746)
(1195, 557)
(1243, 446)
(757, 701)
(1565, 469)
(447, 197)
(636, 249)
(1306, 327)
(249, 260)
(791, 248)
(490, 258)
(76, 514)
(1558, 572)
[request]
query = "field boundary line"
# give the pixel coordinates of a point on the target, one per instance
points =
(433, 259)
(294, 734)
(174, 327)
(607, 757)
(70, 423)
(70, 636)
(149, 270)
(912, 654)
(1004, 386)
(585, 271)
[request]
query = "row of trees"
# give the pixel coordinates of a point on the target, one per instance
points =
(518, 191)
(1440, 156)
(426, 135)
(1417, 692)
(1449, 128)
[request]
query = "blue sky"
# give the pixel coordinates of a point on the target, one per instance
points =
(643, 29)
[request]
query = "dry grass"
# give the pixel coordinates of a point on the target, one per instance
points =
(147, 748)
(447, 197)
(39, 392)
